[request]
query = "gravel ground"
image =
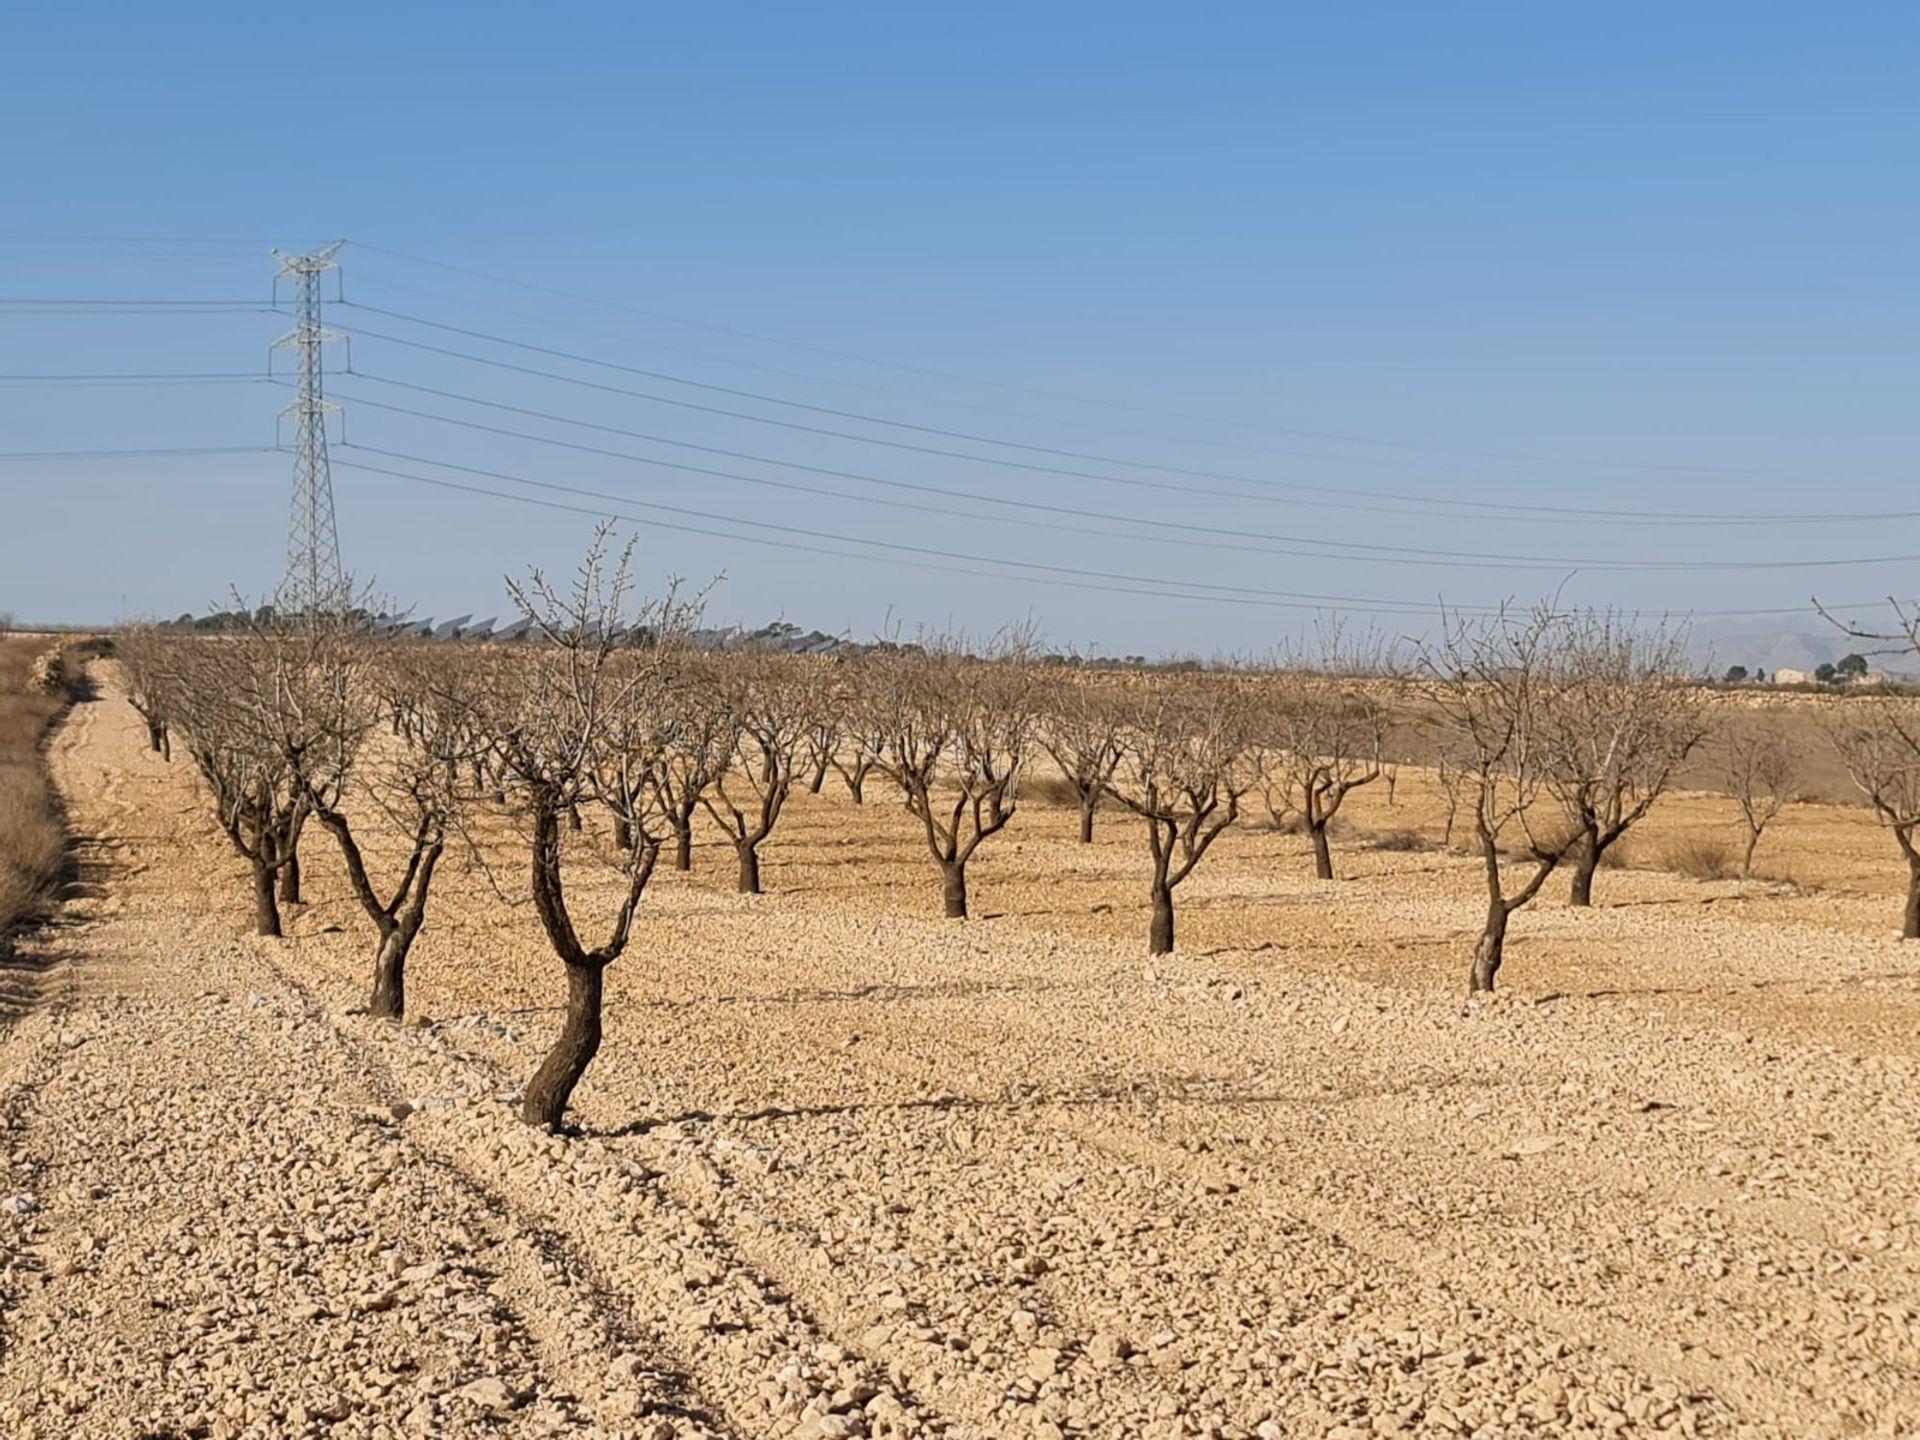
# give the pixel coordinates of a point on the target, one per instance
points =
(847, 1169)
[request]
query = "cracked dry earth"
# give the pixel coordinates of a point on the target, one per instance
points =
(845, 1169)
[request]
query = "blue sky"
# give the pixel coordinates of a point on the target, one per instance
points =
(1646, 258)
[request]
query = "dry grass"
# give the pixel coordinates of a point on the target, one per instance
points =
(1398, 842)
(32, 839)
(1052, 790)
(1699, 857)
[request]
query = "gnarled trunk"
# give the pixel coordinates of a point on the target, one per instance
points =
(1322, 854)
(266, 908)
(290, 876)
(749, 867)
(389, 998)
(1160, 928)
(857, 786)
(1910, 927)
(545, 1101)
(1490, 949)
(682, 822)
(1089, 801)
(953, 874)
(1586, 860)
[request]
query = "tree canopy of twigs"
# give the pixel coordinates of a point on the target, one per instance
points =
(1185, 766)
(1619, 717)
(1490, 685)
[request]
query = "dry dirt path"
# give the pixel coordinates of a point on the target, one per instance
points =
(213, 1222)
(849, 1171)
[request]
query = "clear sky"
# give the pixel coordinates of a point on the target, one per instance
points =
(1371, 268)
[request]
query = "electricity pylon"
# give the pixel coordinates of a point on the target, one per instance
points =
(314, 584)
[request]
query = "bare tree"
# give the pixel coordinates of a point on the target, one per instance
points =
(559, 713)
(1185, 766)
(955, 730)
(263, 713)
(1322, 738)
(1491, 685)
(697, 740)
(414, 788)
(1759, 769)
(1879, 742)
(1623, 718)
(765, 703)
(1081, 731)
(145, 653)
(855, 760)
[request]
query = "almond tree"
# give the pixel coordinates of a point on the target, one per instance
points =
(1185, 766)
(1491, 687)
(1624, 718)
(144, 653)
(1879, 742)
(1081, 731)
(696, 742)
(559, 713)
(1759, 769)
(955, 731)
(261, 712)
(1323, 739)
(765, 706)
(413, 789)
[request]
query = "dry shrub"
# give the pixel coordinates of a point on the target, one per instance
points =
(1339, 828)
(32, 841)
(1400, 842)
(1699, 857)
(1052, 790)
(1618, 856)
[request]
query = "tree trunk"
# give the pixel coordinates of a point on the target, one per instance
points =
(683, 844)
(749, 868)
(818, 778)
(389, 998)
(954, 877)
(573, 818)
(1322, 856)
(1586, 860)
(1910, 927)
(1088, 803)
(1160, 930)
(1488, 952)
(266, 909)
(290, 876)
(622, 834)
(547, 1094)
(857, 785)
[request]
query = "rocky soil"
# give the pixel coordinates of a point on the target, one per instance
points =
(847, 1169)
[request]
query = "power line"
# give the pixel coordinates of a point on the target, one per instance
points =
(1329, 549)
(602, 302)
(926, 558)
(142, 454)
(30, 300)
(214, 377)
(1275, 598)
(36, 236)
(1226, 542)
(1427, 505)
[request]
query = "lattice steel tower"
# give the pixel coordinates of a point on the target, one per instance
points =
(314, 583)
